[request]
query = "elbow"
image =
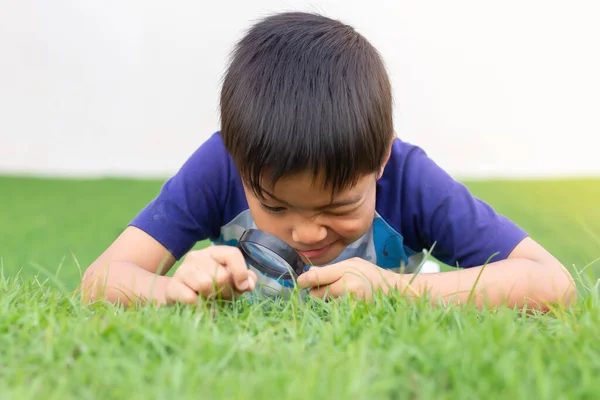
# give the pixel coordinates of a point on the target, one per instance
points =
(561, 291)
(86, 285)
(568, 287)
(91, 281)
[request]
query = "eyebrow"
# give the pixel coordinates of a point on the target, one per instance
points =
(341, 203)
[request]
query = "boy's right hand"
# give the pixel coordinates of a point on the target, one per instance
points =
(217, 271)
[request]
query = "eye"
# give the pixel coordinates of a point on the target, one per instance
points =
(272, 210)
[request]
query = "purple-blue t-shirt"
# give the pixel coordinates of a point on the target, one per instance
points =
(418, 204)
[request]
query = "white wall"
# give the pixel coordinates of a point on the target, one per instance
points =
(131, 88)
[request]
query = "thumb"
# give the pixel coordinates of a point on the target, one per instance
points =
(252, 280)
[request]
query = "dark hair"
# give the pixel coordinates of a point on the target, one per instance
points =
(304, 92)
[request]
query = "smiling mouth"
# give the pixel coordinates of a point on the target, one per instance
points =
(315, 253)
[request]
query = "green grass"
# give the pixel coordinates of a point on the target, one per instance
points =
(53, 347)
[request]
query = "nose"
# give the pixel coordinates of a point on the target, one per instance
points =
(308, 232)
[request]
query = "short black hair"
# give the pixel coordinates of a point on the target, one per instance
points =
(304, 92)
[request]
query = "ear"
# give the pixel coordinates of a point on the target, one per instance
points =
(387, 156)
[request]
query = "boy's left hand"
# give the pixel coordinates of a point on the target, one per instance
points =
(356, 276)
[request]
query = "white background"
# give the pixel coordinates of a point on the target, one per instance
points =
(96, 88)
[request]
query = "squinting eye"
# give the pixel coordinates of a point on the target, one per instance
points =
(273, 210)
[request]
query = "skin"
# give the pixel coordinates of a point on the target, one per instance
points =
(305, 215)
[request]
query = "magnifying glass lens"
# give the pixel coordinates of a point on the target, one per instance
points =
(270, 255)
(267, 257)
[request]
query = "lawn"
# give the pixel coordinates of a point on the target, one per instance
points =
(53, 347)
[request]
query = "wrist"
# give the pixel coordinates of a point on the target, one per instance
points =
(149, 289)
(158, 289)
(409, 285)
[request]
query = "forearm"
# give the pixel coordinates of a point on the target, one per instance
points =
(124, 283)
(512, 282)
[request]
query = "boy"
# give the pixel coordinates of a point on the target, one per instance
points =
(307, 152)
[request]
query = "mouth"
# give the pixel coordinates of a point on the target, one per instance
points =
(314, 253)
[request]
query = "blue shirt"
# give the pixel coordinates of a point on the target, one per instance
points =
(417, 205)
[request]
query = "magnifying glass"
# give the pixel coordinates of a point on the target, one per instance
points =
(270, 255)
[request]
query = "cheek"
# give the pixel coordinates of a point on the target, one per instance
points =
(353, 227)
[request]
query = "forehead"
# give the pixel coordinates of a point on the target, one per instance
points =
(302, 190)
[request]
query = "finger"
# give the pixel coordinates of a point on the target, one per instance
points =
(321, 276)
(181, 293)
(339, 289)
(222, 283)
(232, 258)
(216, 281)
(195, 277)
(321, 292)
(252, 279)
(224, 277)
(325, 292)
(230, 292)
(210, 281)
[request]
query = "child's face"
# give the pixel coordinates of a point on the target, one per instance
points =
(305, 216)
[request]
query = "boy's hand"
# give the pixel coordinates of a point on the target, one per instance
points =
(355, 276)
(211, 272)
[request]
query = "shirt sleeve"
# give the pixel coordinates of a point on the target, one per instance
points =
(441, 212)
(189, 206)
